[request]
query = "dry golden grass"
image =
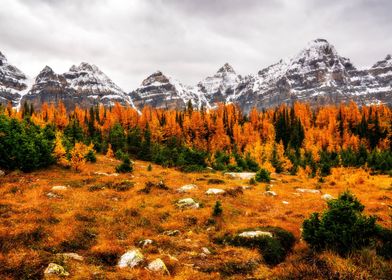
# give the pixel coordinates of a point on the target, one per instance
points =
(101, 223)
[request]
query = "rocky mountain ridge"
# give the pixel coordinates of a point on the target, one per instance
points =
(317, 75)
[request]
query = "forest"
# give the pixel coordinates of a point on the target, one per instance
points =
(285, 139)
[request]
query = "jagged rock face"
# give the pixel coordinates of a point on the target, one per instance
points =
(220, 86)
(13, 82)
(83, 86)
(160, 91)
(317, 75)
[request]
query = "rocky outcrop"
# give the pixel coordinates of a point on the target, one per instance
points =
(161, 91)
(13, 83)
(83, 86)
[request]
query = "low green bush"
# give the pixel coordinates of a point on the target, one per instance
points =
(263, 176)
(342, 228)
(273, 249)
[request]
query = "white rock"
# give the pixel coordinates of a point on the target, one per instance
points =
(157, 265)
(246, 187)
(131, 258)
(2, 173)
(270, 193)
(59, 188)
(73, 256)
(145, 242)
(256, 233)
(327, 196)
(106, 174)
(186, 188)
(215, 191)
(189, 203)
(56, 270)
(308, 191)
(285, 202)
(53, 195)
(174, 232)
(241, 175)
(206, 251)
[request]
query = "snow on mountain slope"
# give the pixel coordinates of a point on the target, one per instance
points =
(13, 83)
(84, 86)
(161, 91)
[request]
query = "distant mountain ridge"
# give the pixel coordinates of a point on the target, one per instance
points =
(317, 75)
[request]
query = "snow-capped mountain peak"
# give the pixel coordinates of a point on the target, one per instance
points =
(13, 82)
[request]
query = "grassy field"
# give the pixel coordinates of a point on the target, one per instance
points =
(100, 217)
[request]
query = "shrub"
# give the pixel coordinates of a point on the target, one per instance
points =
(125, 166)
(273, 249)
(342, 228)
(252, 181)
(149, 167)
(214, 181)
(384, 247)
(90, 156)
(263, 176)
(217, 210)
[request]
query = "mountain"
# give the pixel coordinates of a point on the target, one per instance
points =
(318, 75)
(219, 87)
(84, 85)
(13, 83)
(161, 91)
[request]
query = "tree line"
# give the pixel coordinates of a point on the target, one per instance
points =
(285, 139)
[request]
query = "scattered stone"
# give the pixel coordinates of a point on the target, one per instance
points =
(188, 203)
(270, 193)
(327, 196)
(246, 187)
(106, 174)
(241, 175)
(2, 173)
(285, 202)
(256, 233)
(131, 258)
(174, 232)
(72, 256)
(56, 270)
(206, 251)
(59, 188)
(186, 188)
(157, 265)
(53, 195)
(145, 242)
(308, 191)
(215, 191)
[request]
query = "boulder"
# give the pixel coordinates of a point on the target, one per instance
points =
(241, 175)
(215, 191)
(308, 191)
(106, 174)
(157, 265)
(145, 242)
(270, 193)
(174, 232)
(188, 203)
(256, 233)
(206, 250)
(131, 258)
(186, 188)
(59, 188)
(52, 195)
(2, 173)
(246, 187)
(56, 269)
(285, 202)
(327, 196)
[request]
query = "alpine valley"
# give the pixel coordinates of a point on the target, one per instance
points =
(317, 75)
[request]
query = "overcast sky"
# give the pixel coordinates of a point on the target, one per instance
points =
(186, 39)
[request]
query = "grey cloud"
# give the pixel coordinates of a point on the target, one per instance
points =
(187, 39)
